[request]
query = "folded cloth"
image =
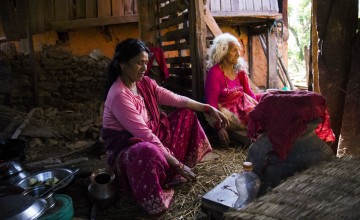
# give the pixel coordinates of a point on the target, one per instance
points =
(284, 116)
(158, 55)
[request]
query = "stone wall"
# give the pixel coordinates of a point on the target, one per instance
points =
(62, 78)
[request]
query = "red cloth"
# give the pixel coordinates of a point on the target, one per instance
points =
(284, 116)
(158, 54)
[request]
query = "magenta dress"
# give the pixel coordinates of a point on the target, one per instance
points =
(137, 137)
(232, 97)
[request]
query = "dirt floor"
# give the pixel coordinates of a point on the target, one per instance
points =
(69, 138)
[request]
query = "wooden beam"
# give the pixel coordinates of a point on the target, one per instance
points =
(182, 71)
(254, 14)
(173, 21)
(90, 22)
(178, 34)
(178, 60)
(168, 9)
(211, 23)
(198, 47)
(147, 21)
(271, 60)
(176, 46)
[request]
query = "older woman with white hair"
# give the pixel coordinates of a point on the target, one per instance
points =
(227, 86)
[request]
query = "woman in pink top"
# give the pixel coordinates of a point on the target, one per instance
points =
(227, 85)
(148, 150)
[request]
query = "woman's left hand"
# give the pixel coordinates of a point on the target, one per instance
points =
(181, 168)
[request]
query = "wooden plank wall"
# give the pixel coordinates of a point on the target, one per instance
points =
(174, 40)
(43, 14)
(243, 5)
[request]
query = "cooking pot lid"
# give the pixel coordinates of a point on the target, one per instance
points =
(21, 207)
(9, 168)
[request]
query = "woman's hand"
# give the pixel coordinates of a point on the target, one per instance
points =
(223, 137)
(221, 121)
(180, 168)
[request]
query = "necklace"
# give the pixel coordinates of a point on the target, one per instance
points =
(133, 89)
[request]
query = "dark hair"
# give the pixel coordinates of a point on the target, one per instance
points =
(124, 51)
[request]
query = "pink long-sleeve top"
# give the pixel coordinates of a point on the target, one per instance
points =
(218, 85)
(123, 110)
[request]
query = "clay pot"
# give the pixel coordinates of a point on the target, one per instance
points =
(102, 189)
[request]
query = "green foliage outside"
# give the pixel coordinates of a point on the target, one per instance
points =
(299, 13)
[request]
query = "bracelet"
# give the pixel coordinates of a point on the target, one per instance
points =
(180, 167)
(207, 108)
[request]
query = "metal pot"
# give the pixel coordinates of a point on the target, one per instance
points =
(102, 189)
(13, 207)
(11, 172)
(37, 192)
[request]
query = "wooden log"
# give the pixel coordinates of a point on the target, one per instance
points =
(25, 123)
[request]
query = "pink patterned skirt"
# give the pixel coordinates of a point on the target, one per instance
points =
(141, 168)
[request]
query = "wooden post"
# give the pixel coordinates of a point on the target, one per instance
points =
(147, 11)
(334, 56)
(313, 70)
(31, 55)
(271, 59)
(197, 47)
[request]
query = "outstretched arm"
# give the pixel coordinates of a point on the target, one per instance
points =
(217, 116)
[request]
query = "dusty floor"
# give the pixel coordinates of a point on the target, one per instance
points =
(187, 200)
(74, 143)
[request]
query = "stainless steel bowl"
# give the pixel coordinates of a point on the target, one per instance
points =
(15, 207)
(38, 191)
(44, 175)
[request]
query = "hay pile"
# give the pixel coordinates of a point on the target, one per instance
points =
(330, 190)
(187, 200)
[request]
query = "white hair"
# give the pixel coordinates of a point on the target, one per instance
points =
(220, 48)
